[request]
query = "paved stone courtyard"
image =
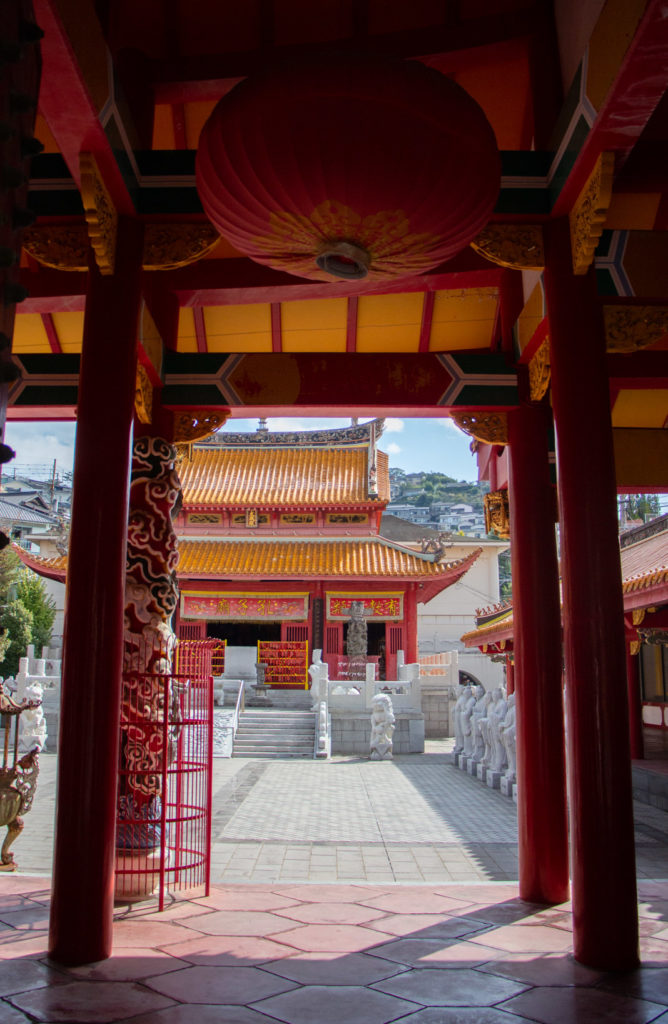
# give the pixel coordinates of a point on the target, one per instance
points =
(416, 819)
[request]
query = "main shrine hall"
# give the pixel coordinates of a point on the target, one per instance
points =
(361, 208)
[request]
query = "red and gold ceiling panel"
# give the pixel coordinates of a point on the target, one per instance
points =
(641, 407)
(443, 321)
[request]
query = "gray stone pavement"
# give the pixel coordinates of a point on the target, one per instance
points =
(416, 819)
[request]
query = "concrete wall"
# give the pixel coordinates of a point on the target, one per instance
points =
(351, 733)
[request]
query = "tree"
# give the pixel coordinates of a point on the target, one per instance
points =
(31, 591)
(643, 506)
(16, 621)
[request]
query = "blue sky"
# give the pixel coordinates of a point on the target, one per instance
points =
(412, 444)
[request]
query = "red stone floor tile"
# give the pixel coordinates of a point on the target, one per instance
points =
(655, 910)
(417, 901)
(243, 899)
(505, 912)
(237, 922)
(233, 985)
(131, 963)
(648, 984)
(31, 917)
(95, 1002)
(653, 951)
(149, 931)
(581, 1005)
(429, 926)
(21, 975)
(13, 901)
(652, 889)
(334, 968)
(483, 892)
(463, 1015)
(331, 913)
(316, 1004)
(15, 944)
(544, 969)
(10, 1015)
(23, 884)
(218, 1014)
(453, 987)
(332, 938)
(435, 953)
(228, 950)
(330, 893)
(520, 938)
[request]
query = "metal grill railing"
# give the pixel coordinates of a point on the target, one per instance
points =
(164, 810)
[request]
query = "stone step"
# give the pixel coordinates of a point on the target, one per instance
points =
(271, 732)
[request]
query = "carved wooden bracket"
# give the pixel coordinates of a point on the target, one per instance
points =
(539, 371)
(587, 218)
(143, 395)
(497, 514)
(518, 246)
(166, 246)
(100, 212)
(629, 328)
(195, 425)
(488, 427)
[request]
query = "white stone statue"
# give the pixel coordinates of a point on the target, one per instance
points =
(508, 737)
(32, 724)
(495, 717)
(319, 673)
(467, 719)
(459, 707)
(480, 713)
(382, 728)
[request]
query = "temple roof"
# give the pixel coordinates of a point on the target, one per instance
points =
(644, 582)
(274, 477)
(296, 558)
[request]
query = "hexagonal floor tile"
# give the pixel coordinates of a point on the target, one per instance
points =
(228, 950)
(544, 969)
(332, 1005)
(421, 902)
(454, 987)
(238, 922)
(584, 1005)
(21, 975)
(429, 926)
(240, 899)
(95, 1002)
(332, 938)
(334, 968)
(129, 964)
(520, 938)
(435, 953)
(331, 913)
(331, 893)
(233, 985)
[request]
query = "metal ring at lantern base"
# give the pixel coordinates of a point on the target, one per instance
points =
(344, 259)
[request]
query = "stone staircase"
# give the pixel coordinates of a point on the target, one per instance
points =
(275, 732)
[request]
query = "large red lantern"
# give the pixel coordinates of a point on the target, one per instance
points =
(349, 168)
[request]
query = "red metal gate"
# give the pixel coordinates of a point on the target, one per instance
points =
(163, 841)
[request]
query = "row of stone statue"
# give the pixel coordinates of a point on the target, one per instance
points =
(485, 729)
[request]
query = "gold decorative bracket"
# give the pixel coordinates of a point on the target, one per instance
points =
(100, 212)
(630, 328)
(488, 427)
(518, 246)
(195, 426)
(143, 395)
(497, 514)
(539, 371)
(587, 218)
(166, 246)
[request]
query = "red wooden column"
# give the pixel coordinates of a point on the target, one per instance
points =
(410, 625)
(605, 923)
(636, 737)
(83, 875)
(541, 772)
(510, 675)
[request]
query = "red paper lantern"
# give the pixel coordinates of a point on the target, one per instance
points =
(349, 168)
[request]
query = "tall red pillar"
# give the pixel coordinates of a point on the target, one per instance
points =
(636, 738)
(410, 623)
(605, 922)
(510, 674)
(541, 771)
(83, 874)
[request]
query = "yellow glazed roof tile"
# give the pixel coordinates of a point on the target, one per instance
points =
(273, 477)
(277, 557)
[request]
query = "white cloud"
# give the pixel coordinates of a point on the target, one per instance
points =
(449, 424)
(392, 448)
(393, 425)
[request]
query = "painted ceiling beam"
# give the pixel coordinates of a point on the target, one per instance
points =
(74, 116)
